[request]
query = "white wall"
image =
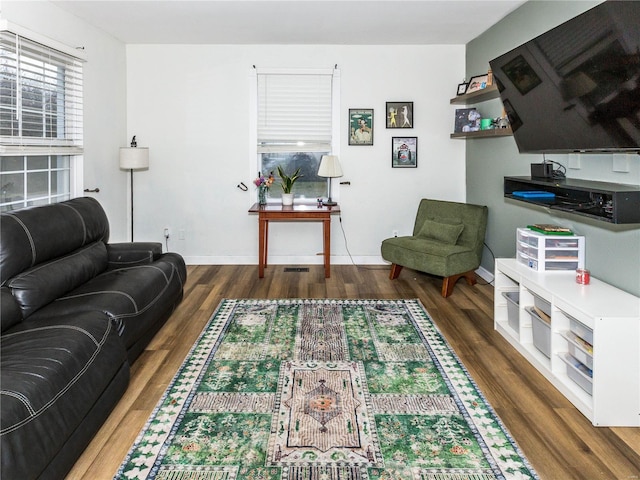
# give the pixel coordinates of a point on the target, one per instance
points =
(190, 106)
(104, 100)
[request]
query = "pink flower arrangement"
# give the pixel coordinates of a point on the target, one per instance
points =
(264, 182)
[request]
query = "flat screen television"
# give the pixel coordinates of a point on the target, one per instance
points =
(576, 88)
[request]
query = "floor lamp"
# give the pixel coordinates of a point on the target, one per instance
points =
(330, 168)
(133, 158)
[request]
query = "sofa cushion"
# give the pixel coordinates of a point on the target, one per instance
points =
(442, 232)
(52, 375)
(135, 298)
(42, 284)
(34, 235)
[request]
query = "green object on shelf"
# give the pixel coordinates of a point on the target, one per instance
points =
(549, 232)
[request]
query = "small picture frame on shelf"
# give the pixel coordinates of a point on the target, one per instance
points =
(477, 83)
(404, 152)
(399, 114)
(466, 120)
(462, 88)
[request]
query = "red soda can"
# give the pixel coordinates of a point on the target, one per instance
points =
(583, 276)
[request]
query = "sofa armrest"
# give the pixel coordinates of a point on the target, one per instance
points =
(132, 253)
(10, 313)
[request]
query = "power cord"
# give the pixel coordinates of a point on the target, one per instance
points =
(494, 261)
(560, 172)
(557, 173)
(344, 235)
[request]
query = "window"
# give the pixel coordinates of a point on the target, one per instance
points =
(40, 121)
(296, 124)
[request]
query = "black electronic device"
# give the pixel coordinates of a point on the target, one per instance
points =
(542, 170)
(576, 88)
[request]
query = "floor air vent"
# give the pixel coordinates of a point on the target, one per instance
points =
(296, 269)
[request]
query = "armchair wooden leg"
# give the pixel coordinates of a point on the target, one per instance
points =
(395, 271)
(449, 282)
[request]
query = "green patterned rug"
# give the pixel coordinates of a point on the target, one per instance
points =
(323, 390)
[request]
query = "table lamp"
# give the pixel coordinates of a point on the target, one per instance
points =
(329, 168)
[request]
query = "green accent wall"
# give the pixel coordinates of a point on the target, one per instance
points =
(612, 251)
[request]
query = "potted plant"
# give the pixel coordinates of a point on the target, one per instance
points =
(287, 185)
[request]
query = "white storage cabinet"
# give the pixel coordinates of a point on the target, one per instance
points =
(593, 339)
(549, 253)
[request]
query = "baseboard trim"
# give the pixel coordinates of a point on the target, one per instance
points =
(306, 260)
(485, 274)
(285, 260)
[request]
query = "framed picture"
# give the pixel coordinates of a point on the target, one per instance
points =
(477, 83)
(521, 75)
(462, 88)
(404, 152)
(467, 120)
(399, 114)
(361, 126)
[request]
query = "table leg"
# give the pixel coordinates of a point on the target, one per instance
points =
(262, 224)
(326, 230)
(266, 243)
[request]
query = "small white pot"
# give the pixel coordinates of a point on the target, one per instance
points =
(287, 199)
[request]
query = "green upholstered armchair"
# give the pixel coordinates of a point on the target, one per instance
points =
(447, 240)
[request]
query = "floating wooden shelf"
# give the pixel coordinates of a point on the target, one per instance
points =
(483, 95)
(493, 133)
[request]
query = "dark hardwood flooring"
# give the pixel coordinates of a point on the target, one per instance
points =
(558, 440)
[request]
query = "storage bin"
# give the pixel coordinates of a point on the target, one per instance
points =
(541, 333)
(542, 304)
(581, 356)
(580, 329)
(577, 372)
(513, 305)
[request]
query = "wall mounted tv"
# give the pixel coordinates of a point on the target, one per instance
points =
(576, 88)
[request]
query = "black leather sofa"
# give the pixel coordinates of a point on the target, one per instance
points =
(76, 311)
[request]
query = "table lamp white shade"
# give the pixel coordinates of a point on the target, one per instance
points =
(330, 167)
(134, 158)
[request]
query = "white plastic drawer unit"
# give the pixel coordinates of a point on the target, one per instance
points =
(549, 253)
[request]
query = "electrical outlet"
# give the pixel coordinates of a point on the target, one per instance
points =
(395, 233)
(166, 232)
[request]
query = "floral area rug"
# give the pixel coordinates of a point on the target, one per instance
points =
(323, 390)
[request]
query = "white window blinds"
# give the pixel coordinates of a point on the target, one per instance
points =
(40, 99)
(294, 112)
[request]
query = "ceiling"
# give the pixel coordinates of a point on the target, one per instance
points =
(305, 22)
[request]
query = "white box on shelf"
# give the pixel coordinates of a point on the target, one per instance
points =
(549, 253)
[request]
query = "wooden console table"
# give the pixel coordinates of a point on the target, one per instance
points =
(296, 213)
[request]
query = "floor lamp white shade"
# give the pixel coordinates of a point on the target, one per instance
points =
(330, 168)
(133, 158)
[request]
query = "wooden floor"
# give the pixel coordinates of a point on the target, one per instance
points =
(558, 440)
